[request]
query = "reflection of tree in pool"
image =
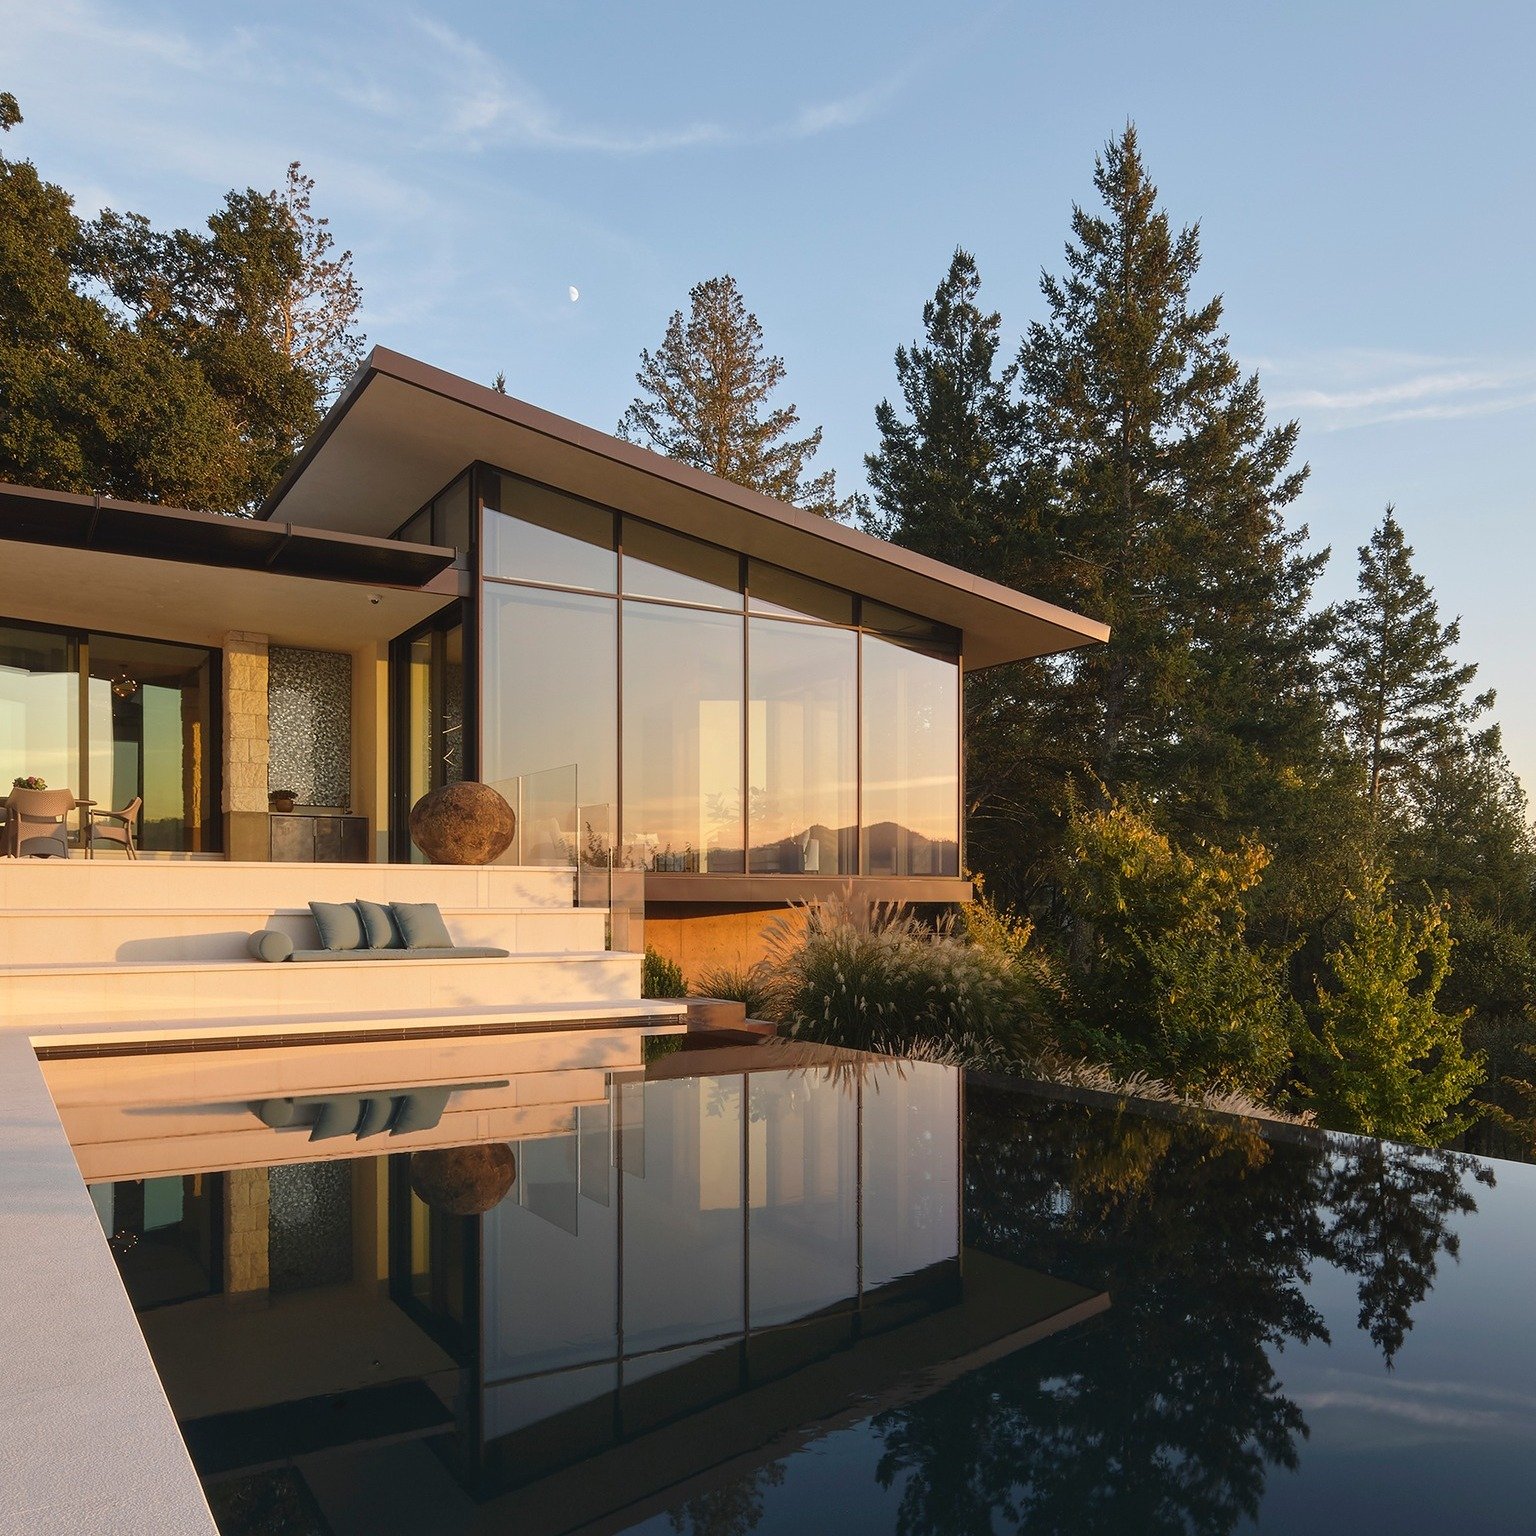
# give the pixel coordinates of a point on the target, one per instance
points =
(732, 1509)
(1390, 1205)
(1165, 1414)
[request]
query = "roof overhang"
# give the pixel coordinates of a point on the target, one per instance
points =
(85, 562)
(401, 430)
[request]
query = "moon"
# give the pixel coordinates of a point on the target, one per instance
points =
(574, 292)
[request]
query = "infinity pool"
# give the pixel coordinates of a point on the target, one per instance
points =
(766, 1288)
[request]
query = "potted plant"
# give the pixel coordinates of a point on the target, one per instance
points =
(282, 799)
(30, 781)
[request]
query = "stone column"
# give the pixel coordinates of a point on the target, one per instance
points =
(246, 1221)
(245, 746)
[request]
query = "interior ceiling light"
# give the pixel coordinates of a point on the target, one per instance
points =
(123, 686)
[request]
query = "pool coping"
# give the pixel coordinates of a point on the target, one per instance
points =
(88, 1442)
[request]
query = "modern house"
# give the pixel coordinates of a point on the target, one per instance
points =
(704, 705)
(730, 702)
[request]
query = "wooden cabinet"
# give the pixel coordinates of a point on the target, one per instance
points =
(305, 837)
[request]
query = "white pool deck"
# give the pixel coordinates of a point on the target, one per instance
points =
(102, 955)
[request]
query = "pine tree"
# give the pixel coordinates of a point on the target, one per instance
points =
(938, 477)
(704, 401)
(1399, 691)
(945, 484)
(1160, 494)
(1382, 1059)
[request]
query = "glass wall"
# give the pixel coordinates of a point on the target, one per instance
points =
(447, 519)
(803, 742)
(911, 761)
(148, 715)
(551, 714)
(146, 729)
(428, 681)
(39, 707)
(682, 740)
(713, 702)
(535, 534)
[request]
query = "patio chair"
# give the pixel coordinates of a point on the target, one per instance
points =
(37, 823)
(119, 827)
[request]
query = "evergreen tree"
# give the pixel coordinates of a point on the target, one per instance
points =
(1400, 693)
(1160, 493)
(938, 477)
(945, 483)
(1469, 833)
(1382, 1059)
(705, 401)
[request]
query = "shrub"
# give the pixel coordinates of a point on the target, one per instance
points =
(881, 980)
(752, 985)
(1163, 968)
(660, 977)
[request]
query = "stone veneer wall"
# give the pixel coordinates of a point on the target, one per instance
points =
(244, 793)
(309, 722)
(246, 1221)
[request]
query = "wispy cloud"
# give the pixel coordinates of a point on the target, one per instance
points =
(488, 104)
(1349, 389)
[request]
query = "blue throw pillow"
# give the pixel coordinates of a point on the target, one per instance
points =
(340, 926)
(379, 928)
(421, 925)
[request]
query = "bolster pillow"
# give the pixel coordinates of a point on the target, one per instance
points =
(269, 944)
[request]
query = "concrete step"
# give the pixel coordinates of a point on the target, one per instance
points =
(228, 884)
(102, 935)
(33, 997)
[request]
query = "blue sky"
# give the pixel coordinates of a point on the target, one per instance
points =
(1362, 173)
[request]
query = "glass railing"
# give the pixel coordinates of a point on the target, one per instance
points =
(556, 830)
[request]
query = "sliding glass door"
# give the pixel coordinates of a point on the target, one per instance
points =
(115, 719)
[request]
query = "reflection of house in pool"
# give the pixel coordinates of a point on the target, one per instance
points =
(766, 1232)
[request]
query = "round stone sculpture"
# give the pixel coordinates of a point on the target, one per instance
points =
(463, 824)
(463, 1181)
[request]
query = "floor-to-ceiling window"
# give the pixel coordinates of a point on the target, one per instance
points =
(736, 715)
(39, 707)
(115, 719)
(431, 737)
(911, 760)
(682, 739)
(803, 731)
(149, 720)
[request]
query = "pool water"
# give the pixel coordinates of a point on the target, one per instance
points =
(1306, 1334)
(786, 1290)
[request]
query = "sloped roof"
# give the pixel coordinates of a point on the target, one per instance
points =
(402, 429)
